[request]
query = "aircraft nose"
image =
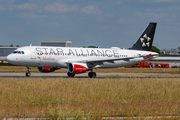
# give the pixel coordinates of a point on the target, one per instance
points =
(9, 58)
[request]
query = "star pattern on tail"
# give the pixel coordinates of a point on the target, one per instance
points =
(145, 40)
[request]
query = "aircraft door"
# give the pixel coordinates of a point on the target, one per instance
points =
(33, 54)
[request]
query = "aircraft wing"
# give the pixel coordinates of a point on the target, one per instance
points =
(115, 59)
(107, 60)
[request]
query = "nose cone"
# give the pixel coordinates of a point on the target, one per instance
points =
(10, 58)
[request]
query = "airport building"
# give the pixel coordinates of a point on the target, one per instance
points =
(170, 51)
(5, 51)
(173, 51)
(56, 43)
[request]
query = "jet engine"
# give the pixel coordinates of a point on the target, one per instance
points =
(47, 69)
(77, 68)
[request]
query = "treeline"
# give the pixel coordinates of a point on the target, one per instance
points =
(90, 47)
(9, 46)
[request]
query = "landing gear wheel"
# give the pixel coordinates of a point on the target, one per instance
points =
(70, 74)
(92, 74)
(28, 74)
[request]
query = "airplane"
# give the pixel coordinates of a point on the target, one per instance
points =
(80, 60)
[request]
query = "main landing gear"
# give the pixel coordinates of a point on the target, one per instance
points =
(92, 74)
(28, 74)
(70, 74)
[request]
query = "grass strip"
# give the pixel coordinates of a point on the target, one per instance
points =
(79, 97)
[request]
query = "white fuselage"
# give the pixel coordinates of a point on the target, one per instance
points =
(41, 56)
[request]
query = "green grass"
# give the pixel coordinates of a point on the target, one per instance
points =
(6, 64)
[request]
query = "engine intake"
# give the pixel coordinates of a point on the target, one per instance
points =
(77, 68)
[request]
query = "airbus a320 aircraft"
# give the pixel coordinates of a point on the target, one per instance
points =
(80, 60)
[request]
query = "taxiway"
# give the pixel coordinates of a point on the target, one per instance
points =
(85, 75)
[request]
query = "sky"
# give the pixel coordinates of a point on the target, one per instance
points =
(104, 23)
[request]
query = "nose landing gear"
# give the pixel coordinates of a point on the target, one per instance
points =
(28, 74)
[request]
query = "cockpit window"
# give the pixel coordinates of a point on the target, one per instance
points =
(18, 52)
(15, 52)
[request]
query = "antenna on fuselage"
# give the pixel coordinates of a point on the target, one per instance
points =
(30, 44)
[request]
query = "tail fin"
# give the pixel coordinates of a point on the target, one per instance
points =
(146, 39)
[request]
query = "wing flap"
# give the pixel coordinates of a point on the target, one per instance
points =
(109, 60)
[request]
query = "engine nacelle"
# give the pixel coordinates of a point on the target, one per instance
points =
(47, 69)
(77, 68)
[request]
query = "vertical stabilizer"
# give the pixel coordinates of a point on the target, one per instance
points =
(146, 39)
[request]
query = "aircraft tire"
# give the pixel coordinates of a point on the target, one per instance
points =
(28, 74)
(92, 74)
(70, 74)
